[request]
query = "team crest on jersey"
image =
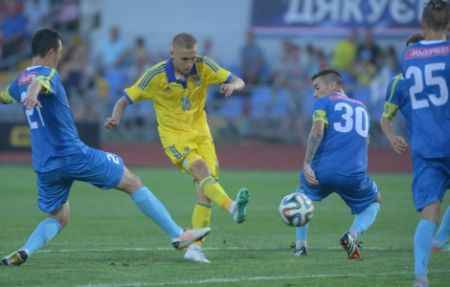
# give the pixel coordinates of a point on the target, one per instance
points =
(197, 80)
(26, 78)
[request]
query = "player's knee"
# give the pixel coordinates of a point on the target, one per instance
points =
(64, 221)
(199, 170)
(129, 182)
(62, 215)
(62, 218)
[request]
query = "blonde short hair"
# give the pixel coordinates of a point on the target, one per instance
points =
(183, 40)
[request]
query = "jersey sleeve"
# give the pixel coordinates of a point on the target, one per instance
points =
(393, 93)
(47, 81)
(11, 95)
(320, 112)
(6, 97)
(142, 88)
(213, 73)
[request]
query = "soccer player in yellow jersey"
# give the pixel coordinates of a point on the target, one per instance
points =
(177, 88)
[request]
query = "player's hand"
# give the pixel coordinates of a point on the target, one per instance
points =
(30, 102)
(398, 144)
(111, 123)
(310, 175)
(226, 89)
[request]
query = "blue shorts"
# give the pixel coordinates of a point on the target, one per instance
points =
(431, 178)
(96, 167)
(358, 192)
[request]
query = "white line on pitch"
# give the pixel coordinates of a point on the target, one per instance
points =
(139, 249)
(254, 278)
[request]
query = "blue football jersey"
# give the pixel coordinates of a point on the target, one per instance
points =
(427, 65)
(397, 98)
(344, 145)
(52, 129)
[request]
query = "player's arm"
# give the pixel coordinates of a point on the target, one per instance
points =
(314, 139)
(236, 84)
(397, 142)
(119, 108)
(31, 99)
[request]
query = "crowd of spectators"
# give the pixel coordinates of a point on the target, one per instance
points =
(276, 104)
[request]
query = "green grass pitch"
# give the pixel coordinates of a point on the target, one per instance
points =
(109, 243)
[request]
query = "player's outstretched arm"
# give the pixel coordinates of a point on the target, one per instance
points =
(119, 109)
(236, 84)
(398, 143)
(31, 99)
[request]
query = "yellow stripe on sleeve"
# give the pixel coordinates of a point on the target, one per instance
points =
(45, 80)
(6, 98)
(389, 110)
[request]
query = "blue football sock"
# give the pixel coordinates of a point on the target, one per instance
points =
(43, 233)
(365, 219)
(154, 209)
(301, 233)
(422, 246)
(444, 228)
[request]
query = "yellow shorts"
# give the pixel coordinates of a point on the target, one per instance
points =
(184, 154)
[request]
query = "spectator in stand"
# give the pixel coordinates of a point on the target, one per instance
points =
(253, 65)
(369, 49)
(364, 70)
(345, 52)
(109, 56)
(312, 63)
(37, 13)
(292, 78)
(140, 58)
(78, 82)
(13, 29)
(111, 52)
(67, 15)
(208, 48)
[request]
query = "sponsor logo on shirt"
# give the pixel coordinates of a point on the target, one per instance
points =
(26, 78)
(427, 52)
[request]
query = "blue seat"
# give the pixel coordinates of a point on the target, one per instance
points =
(260, 98)
(232, 107)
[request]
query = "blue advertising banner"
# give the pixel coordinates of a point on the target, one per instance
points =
(336, 17)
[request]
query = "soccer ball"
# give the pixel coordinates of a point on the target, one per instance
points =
(296, 209)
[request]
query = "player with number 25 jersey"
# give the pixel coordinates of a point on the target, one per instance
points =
(427, 65)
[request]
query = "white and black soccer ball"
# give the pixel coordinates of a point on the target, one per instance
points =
(296, 209)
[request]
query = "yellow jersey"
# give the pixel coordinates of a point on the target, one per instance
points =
(179, 105)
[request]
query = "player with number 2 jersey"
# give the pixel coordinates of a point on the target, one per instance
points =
(60, 157)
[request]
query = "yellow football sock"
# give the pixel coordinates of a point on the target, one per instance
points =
(201, 217)
(214, 191)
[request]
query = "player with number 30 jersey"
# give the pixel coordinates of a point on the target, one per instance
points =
(336, 159)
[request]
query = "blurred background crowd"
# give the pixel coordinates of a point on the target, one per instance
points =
(275, 107)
